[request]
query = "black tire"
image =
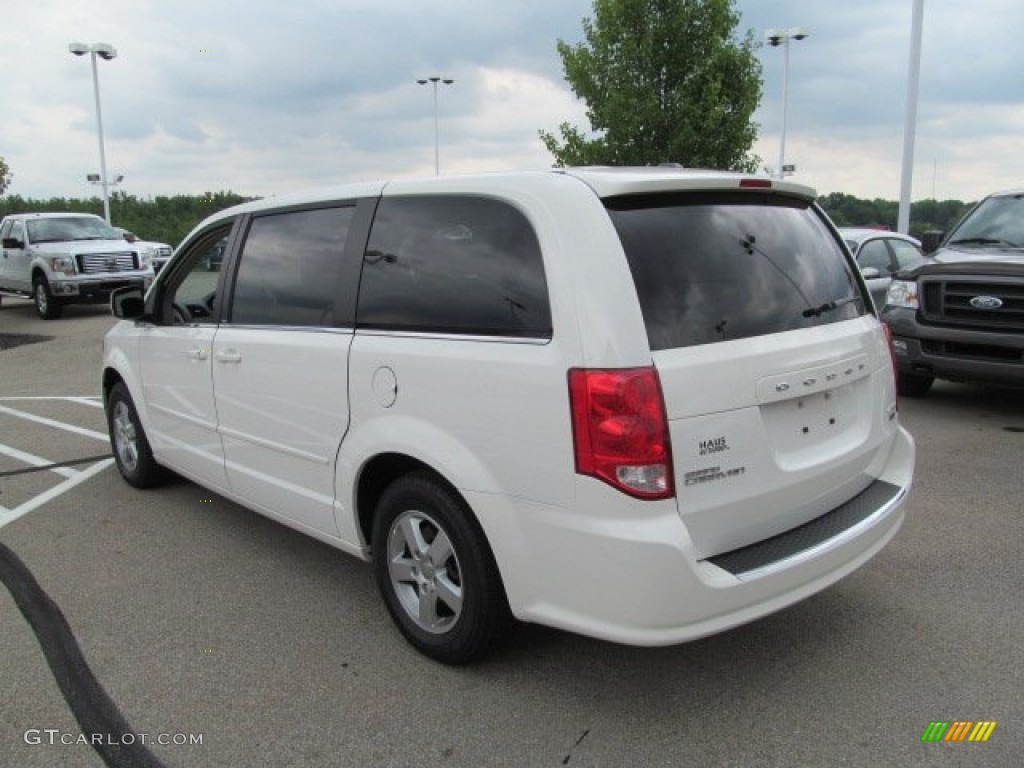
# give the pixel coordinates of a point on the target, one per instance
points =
(446, 598)
(47, 305)
(913, 384)
(132, 453)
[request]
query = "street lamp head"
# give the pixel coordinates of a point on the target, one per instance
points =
(798, 33)
(93, 177)
(422, 82)
(447, 81)
(105, 50)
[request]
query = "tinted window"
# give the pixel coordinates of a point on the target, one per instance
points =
(714, 267)
(289, 267)
(453, 265)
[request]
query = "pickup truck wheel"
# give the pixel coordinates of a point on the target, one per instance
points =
(132, 453)
(436, 572)
(47, 305)
(913, 384)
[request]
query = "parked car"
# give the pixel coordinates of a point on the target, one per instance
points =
(960, 315)
(645, 405)
(63, 258)
(879, 253)
(160, 253)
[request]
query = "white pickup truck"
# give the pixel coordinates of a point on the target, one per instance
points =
(63, 258)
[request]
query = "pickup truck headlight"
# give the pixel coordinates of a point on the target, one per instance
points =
(65, 264)
(146, 256)
(902, 293)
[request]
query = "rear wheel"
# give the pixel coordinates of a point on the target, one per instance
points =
(913, 384)
(436, 572)
(47, 305)
(132, 453)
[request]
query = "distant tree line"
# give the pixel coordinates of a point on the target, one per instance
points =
(169, 219)
(925, 215)
(161, 219)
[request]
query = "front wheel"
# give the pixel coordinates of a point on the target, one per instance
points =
(132, 453)
(47, 305)
(436, 572)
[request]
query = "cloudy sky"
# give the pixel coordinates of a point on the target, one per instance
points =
(266, 96)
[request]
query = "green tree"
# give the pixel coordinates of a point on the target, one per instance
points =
(664, 81)
(5, 176)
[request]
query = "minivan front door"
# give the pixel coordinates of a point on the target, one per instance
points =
(280, 365)
(176, 360)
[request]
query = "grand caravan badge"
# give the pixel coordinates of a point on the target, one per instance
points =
(709, 475)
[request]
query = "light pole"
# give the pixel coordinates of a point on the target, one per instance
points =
(775, 38)
(106, 52)
(437, 141)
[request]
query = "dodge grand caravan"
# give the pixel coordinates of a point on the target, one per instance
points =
(644, 405)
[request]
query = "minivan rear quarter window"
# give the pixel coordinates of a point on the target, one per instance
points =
(453, 264)
(719, 266)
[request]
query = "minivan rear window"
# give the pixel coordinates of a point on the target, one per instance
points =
(712, 267)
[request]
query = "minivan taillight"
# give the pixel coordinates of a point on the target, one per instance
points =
(620, 431)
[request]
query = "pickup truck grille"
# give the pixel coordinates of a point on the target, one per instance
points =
(104, 263)
(949, 302)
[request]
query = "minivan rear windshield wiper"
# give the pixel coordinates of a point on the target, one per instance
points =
(983, 241)
(829, 306)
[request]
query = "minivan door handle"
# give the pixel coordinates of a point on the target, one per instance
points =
(229, 356)
(197, 354)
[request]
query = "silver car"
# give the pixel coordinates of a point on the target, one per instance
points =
(880, 253)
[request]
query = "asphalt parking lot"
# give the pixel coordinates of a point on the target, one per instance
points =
(230, 640)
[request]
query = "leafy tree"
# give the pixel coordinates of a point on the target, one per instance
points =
(664, 81)
(5, 176)
(849, 211)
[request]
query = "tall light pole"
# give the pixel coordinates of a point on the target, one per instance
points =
(437, 141)
(106, 52)
(910, 122)
(775, 38)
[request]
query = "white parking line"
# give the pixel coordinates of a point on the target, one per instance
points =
(9, 516)
(35, 461)
(93, 399)
(73, 477)
(58, 424)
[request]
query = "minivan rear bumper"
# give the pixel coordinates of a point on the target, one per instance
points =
(626, 571)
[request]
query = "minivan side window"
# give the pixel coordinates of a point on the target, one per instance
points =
(289, 268)
(453, 264)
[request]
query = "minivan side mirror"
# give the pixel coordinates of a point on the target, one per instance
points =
(930, 240)
(128, 303)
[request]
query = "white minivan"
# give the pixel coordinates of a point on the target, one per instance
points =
(643, 404)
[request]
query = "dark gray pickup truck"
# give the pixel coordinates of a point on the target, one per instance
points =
(960, 314)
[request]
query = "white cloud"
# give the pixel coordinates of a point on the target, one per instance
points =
(265, 97)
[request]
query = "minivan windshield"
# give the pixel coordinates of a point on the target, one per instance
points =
(997, 221)
(55, 229)
(718, 266)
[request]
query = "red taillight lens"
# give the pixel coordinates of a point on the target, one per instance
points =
(620, 432)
